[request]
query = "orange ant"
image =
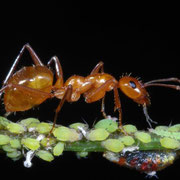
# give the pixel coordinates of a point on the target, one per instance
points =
(32, 85)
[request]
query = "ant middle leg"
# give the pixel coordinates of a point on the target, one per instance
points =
(100, 68)
(103, 108)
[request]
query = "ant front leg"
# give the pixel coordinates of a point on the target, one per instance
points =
(98, 93)
(33, 55)
(59, 73)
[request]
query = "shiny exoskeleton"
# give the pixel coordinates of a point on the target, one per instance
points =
(32, 85)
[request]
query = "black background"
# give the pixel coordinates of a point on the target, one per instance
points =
(142, 40)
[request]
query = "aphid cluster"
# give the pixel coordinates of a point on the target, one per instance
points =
(148, 162)
(32, 85)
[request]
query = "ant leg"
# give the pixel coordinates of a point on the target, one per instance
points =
(96, 94)
(34, 57)
(98, 67)
(67, 96)
(59, 73)
(103, 108)
(118, 105)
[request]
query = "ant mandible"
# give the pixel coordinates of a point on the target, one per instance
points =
(32, 85)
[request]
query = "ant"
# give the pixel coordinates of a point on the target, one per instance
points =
(32, 85)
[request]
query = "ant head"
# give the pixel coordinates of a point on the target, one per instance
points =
(134, 89)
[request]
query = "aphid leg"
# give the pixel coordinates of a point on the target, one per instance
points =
(59, 73)
(148, 119)
(98, 68)
(67, 96)
(34, 57)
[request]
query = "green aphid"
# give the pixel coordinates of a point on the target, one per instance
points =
(143, 137)
(66, 134)
(28, 121)
(77, 125)
(14, 154)
(129, 128)
(4, 139)
(15, 143)
(7, 148)
(32, 127)
(97, 135)
(113, 145)
(48, 141)
(15, 128)
(45, 155)
(43, 128)
(174, 128)
(169, 143)
(166, 133)
(107, 124)
(127, 140)
(159, 128)
(58, 149)
(3, 122)
(82, 154)
(31, 143)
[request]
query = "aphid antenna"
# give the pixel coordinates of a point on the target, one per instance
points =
(84, 121)
(94, 122)
(170, 124)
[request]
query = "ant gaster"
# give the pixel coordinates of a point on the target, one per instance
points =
(32, 85)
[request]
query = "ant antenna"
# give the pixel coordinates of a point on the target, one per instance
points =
(157, 82)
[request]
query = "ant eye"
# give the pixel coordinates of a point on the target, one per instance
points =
(132, 84)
